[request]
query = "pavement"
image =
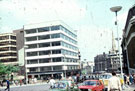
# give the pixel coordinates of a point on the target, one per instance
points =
(12, 86)
(129, 87)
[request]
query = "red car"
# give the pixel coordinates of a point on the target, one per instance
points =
(92, 85)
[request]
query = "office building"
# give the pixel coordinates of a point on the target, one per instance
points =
(8, 53)
(50, 50)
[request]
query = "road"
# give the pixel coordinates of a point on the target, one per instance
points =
(45, 87)
(33, 87)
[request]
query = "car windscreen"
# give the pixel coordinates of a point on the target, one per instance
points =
(60, 85)
(91, 83)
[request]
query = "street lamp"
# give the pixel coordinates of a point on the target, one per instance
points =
(116, 9)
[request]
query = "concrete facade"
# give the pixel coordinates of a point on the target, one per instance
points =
(8, 52)
(52, 50)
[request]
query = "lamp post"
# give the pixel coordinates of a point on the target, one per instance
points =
(117, 9)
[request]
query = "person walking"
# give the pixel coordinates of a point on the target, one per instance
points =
(51, 82)
(114, 83)
(8, 85)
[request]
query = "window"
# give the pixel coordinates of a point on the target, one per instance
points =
(56, 59)
(43, 37)
(44, 52)
(56, 43)
(44, 45)
(45, 68)
(13, 37)
(33, 69)
(32, 46)
(30, 31)
(43, 29)
(44, 60)
(32, 61)
(57, 68)
(31, 38)
(56, 51)
(31, 53)
(55, 28)
(55, 36)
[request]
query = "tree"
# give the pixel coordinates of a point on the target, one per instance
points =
(11, 69)
(7, 69)
(2, 69)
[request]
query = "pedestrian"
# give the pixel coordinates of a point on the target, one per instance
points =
(20, 82)
(114, 83)
(125, 78)
(134, 78)
(51, 82)
(8, 85)
(131, 79)
(128, 82)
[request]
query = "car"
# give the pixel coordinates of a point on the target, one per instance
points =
(91, 85)
(64, 85)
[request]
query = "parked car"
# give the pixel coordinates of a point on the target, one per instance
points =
(91, 85)
(64, 85)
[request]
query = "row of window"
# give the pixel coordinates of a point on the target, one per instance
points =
(8, 54)
(57, 43)
(53, 68)
(7, 43)
(52, 36)
(8, 49)
(51, 28)
(8, 37)
(48, 60)
(48, 52)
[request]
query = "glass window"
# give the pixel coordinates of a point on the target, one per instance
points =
(43, 37)
(56, 59)
(44, 45)
(13, 37)
(30, 31)
(32, 46)
(32, 61)
(56, 51)
(43, 29)
(13, 43)
(57, 68)
(44, 52)
(47, 60)
(55, 36)
(55, 28)
(45, 68)
(56, 43)
(33, 69)
(31, 53)
(31, 38)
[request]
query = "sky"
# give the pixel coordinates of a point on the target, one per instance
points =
(92, 19)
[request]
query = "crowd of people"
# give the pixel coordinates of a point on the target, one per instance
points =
(129, 79)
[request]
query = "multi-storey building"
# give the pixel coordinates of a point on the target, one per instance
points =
(50, 49)
(8, 53)
(128, 42)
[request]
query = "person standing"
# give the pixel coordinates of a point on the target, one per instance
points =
(8, 85)
(114, 83)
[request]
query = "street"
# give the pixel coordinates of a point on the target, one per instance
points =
(45, 87)
(32, 87)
